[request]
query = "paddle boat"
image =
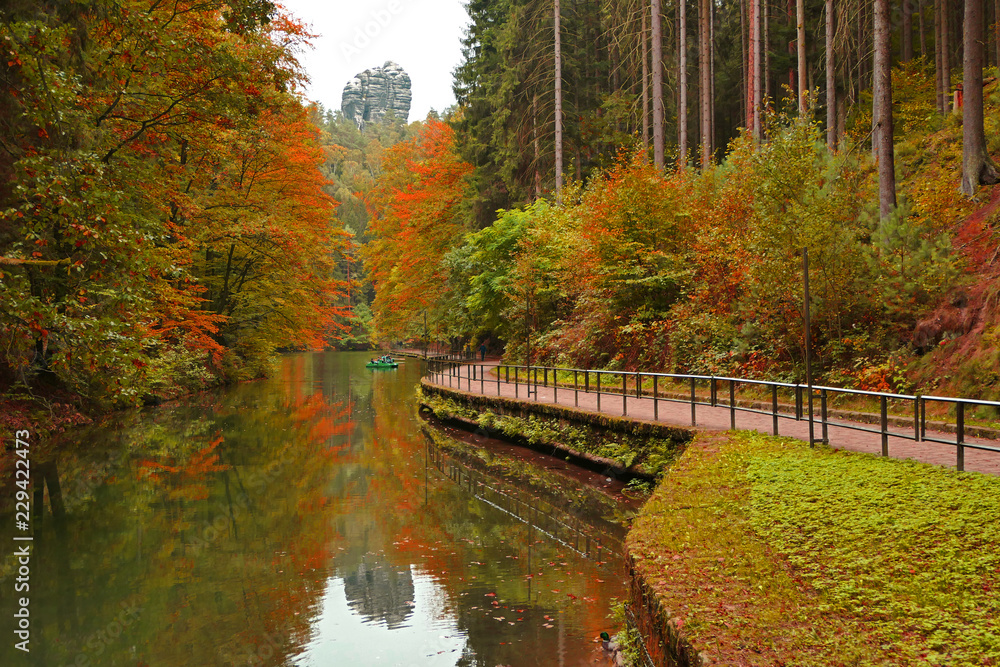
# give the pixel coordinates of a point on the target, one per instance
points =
(382, 362)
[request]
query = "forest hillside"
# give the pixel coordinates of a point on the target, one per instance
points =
(673, 237)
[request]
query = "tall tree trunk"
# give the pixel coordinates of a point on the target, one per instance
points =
(945, 57)
(907, 30)
(800, 38)
(711, 75)
(955, 36)
(534, 133)
(923, 35)
(705, 84)
(766, 47)
(754, 89)
(657, 50)
(831, 83)
(645, 87)
(977, 167)
(882, 72)
(558, 82)
(938, 60)
(682, 111)
(791, 51)
(996, 28)
(745, 85)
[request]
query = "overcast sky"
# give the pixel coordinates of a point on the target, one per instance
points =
(421, 35)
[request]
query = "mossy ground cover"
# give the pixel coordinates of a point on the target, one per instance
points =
(767, 552)
(651, 455)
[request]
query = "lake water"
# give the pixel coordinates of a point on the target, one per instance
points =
(302, 520)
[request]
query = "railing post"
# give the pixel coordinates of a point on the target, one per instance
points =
(545, 377)
(712, 392)
(884, 424)
(774, 408)
(515, 383)
(586, 381)
(638, 385)
(576, 390)
(916, 418)
(656, 412)
(822, 416)
(923, 418)
(694, 402)
(555, 386)
(536, 383)
(598, 391)
(498, 380)
(732, 404)
(798, 402)
(482, 379)
(960, 435)
(624, 394)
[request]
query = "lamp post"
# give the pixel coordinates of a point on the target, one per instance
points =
(527, 339)
(808, 340)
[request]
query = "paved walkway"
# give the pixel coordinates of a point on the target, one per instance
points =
(719, 418)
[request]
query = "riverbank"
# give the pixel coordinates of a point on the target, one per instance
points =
(631, 450)
(759, 550)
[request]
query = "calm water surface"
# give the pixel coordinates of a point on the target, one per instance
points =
(303, 520)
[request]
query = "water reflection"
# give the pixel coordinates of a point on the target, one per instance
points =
(379, 592)
(293, 521)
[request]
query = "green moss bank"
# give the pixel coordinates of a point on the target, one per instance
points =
(757, 550)
(625, 448)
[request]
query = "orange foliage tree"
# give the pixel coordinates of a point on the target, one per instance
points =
(414, 223)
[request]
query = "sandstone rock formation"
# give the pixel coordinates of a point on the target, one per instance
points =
(372, 93)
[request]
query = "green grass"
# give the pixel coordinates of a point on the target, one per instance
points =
(913, 549)
(770, 552)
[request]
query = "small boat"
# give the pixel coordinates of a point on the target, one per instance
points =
(381, 364)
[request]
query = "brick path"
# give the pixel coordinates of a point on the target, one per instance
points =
(718, 418)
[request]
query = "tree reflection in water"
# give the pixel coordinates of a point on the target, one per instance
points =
(290, 521)
(379, 592)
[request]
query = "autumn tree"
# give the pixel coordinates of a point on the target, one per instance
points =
(414, 222)
(125, 153)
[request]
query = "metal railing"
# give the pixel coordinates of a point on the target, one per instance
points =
(720, 391)
(426, 353)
